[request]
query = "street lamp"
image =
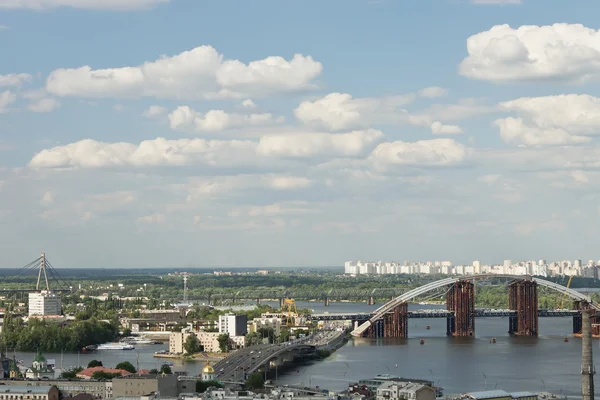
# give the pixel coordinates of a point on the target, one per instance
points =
(484, 381)
(543, 385)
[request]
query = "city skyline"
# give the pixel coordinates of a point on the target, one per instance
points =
(165, 133)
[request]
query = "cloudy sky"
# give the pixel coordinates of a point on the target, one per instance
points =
(298, 133)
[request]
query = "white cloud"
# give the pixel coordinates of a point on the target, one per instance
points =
(47, 198)
(14, 79)
(229, 185)
(89, 153)
(115, 5)
(559, 52)
(551, 120)
(156, 218)
(341, 111)
(433, 91)
(350, 144)
(43, 105)
(277, 209)
(437, 128)
(200, 73)
(249, 104)
(184, 118)
(436, 152)
(6, 99)
(154, 112)
(4, 28)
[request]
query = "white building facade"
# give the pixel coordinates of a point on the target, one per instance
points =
(44, 303)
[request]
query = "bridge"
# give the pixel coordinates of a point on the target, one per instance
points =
(479, 313)
(390, 320)
(237, 366)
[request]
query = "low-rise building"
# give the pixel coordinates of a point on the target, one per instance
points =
(98, 389)
(40, 368)
(266, 322)
(88, 373)
(24, 392)
(487, 395)
(405, 390)
(208, 340)
(140, 385)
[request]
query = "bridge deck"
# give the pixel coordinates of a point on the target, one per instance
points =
(439, 314)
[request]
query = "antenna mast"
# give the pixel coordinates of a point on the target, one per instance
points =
(185, 278)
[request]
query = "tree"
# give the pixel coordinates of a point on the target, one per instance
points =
(284, 335)
(72, 373)
(165, 369)
(201, 386)
(101, 375)
(94, 363)
(127, 366)
(253, 338)
(153, 371)
(126, 332)
(223, 340)
(192, 345)
(255, 381)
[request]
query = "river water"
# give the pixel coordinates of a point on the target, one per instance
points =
(456, 364)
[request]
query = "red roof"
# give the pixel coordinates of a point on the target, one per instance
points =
(88, 372)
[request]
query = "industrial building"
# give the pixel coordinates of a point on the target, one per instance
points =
(140, 385)
(405, 390)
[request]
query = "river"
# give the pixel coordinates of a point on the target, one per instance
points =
(456, 364)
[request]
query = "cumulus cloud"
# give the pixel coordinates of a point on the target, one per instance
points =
(115, 5)
(89, 153)
(341, 111)
(200, 73)
(6, 99)
(437, 128)
(551, 120)
(228, 185)
(43, 105)
(249, 104)
(185, 118)
(433, 91)
(436, 152)
(154, 112)
(14, 79)
(300, 145)
(559, 52)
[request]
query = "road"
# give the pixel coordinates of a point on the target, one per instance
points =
(245, 361)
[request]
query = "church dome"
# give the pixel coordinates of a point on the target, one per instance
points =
(208, 369)
(39, 358)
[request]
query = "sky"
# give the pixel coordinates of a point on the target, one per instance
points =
(173, 133)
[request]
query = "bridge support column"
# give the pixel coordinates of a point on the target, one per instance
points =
(395, 323)
(522, 298)
(281, 303)
(577, 319)
(326, 301)
(371, 301)
(258, 301)
(460, 300)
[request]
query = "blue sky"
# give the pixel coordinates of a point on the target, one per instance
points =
(302, 133)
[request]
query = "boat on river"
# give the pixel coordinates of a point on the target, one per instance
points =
(116, 346)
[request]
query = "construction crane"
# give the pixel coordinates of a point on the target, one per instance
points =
(289, 310)
(562, 300)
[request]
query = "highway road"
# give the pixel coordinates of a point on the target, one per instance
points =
(245, 361)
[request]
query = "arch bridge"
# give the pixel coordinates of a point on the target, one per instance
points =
(390, 320)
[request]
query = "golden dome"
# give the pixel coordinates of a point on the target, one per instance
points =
(208, 369)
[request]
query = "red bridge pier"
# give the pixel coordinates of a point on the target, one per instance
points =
(393, 325)
(460, 300)
(523, 298)
(577, 319)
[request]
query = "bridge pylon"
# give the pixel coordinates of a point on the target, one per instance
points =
(460, 300)
(394, 324)
(523, 298)
(577, 319)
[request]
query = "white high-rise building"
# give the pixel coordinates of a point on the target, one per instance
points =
(477, 266)
(44, 303)
(234, 325)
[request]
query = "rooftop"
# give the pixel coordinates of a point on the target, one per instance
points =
(488, 394)
(523, 394)
(25, 389)
(88, 372)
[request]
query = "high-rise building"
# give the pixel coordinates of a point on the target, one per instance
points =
(477, 266)
(44, 303)
(234, 325)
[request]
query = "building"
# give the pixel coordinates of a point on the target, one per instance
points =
(40, 368)
(487, 395)
(380, 379)
(405, 390)
(208, 340)
(44, 303)
(141, 385)
(88, 373)
(234, 325)
(24, 392)
(208, 372)
(266, 322)
(98, 389)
